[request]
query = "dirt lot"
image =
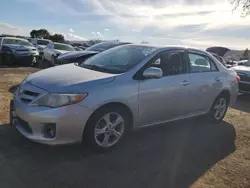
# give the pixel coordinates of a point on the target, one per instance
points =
(188, 153)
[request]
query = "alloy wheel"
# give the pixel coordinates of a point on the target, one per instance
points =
(109, 129)
(220, 108)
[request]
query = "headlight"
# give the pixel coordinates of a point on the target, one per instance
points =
(57, 100)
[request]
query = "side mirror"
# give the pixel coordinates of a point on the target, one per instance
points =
(152, 72)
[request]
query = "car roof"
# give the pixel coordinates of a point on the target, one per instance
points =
(61, 43)
(171, 47)
(15, 38)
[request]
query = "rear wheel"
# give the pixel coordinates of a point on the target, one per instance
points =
(106, 128)
(219, 108)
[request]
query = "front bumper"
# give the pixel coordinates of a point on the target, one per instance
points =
(26, 58)
(69, 122)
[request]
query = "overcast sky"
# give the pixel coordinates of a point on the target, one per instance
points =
(198, 23)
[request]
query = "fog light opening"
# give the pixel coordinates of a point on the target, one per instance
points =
(49, 130)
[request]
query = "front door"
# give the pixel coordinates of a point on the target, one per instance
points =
(168, 97)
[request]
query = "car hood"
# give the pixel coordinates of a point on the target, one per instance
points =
(61, 51)
(221, 51)
(243, 69)
(19, 47)
(40, 46)
(69, 78)
(75, 54)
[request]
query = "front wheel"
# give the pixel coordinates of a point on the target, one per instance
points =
(219, 108)
(106, 128)
(53, 62)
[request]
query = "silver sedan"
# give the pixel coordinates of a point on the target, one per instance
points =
(123, 88)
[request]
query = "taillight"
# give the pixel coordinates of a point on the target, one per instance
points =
(238, 78)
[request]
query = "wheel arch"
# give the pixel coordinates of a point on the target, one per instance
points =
(224, 92)
(114, 104)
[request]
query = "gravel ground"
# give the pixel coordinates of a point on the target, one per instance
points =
(190, 153)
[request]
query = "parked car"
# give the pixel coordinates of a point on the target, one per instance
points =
(17, 51)
(243, 70)
(78, 49)
(221, 59)
(53, 50)
(75, 56)
(40, 44)
(123, 88)
(87, 53)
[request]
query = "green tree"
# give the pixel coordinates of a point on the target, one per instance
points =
(246, 54)
(92, 42)
(40, 33)
(33, 33)
(57, 38)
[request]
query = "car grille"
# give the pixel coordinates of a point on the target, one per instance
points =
(28, 93)
(23, 50)
(27, 96)
(24, 125)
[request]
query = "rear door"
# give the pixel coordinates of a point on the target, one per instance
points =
(206, 81)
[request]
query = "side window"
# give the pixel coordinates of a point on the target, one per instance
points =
(200, 63)
(172, 63)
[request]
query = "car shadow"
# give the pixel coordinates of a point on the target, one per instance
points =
(171, 155)
(242, 103)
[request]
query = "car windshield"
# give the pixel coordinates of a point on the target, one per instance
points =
(119, 59)
(43, 42)
(102, 46)
(17, 41)
(65, 47)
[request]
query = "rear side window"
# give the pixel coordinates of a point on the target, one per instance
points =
(200, 63)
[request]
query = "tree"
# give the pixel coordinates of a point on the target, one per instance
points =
(43, 33)
(246, 54)
(92, 42)
(243, 4)
(33, 33)
(40, 33)
(57, 38)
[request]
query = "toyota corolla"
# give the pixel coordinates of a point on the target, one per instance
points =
(123, 88)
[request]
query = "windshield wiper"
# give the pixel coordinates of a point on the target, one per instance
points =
(95, 67)
(102, 69)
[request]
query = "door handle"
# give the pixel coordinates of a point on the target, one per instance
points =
(217, 79)
(185, 83)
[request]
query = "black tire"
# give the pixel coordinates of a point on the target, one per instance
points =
(212, 113)
(53, 62)
(89, 136)
(8, 59)
(1, 59)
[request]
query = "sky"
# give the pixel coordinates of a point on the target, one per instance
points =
(197, 23)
